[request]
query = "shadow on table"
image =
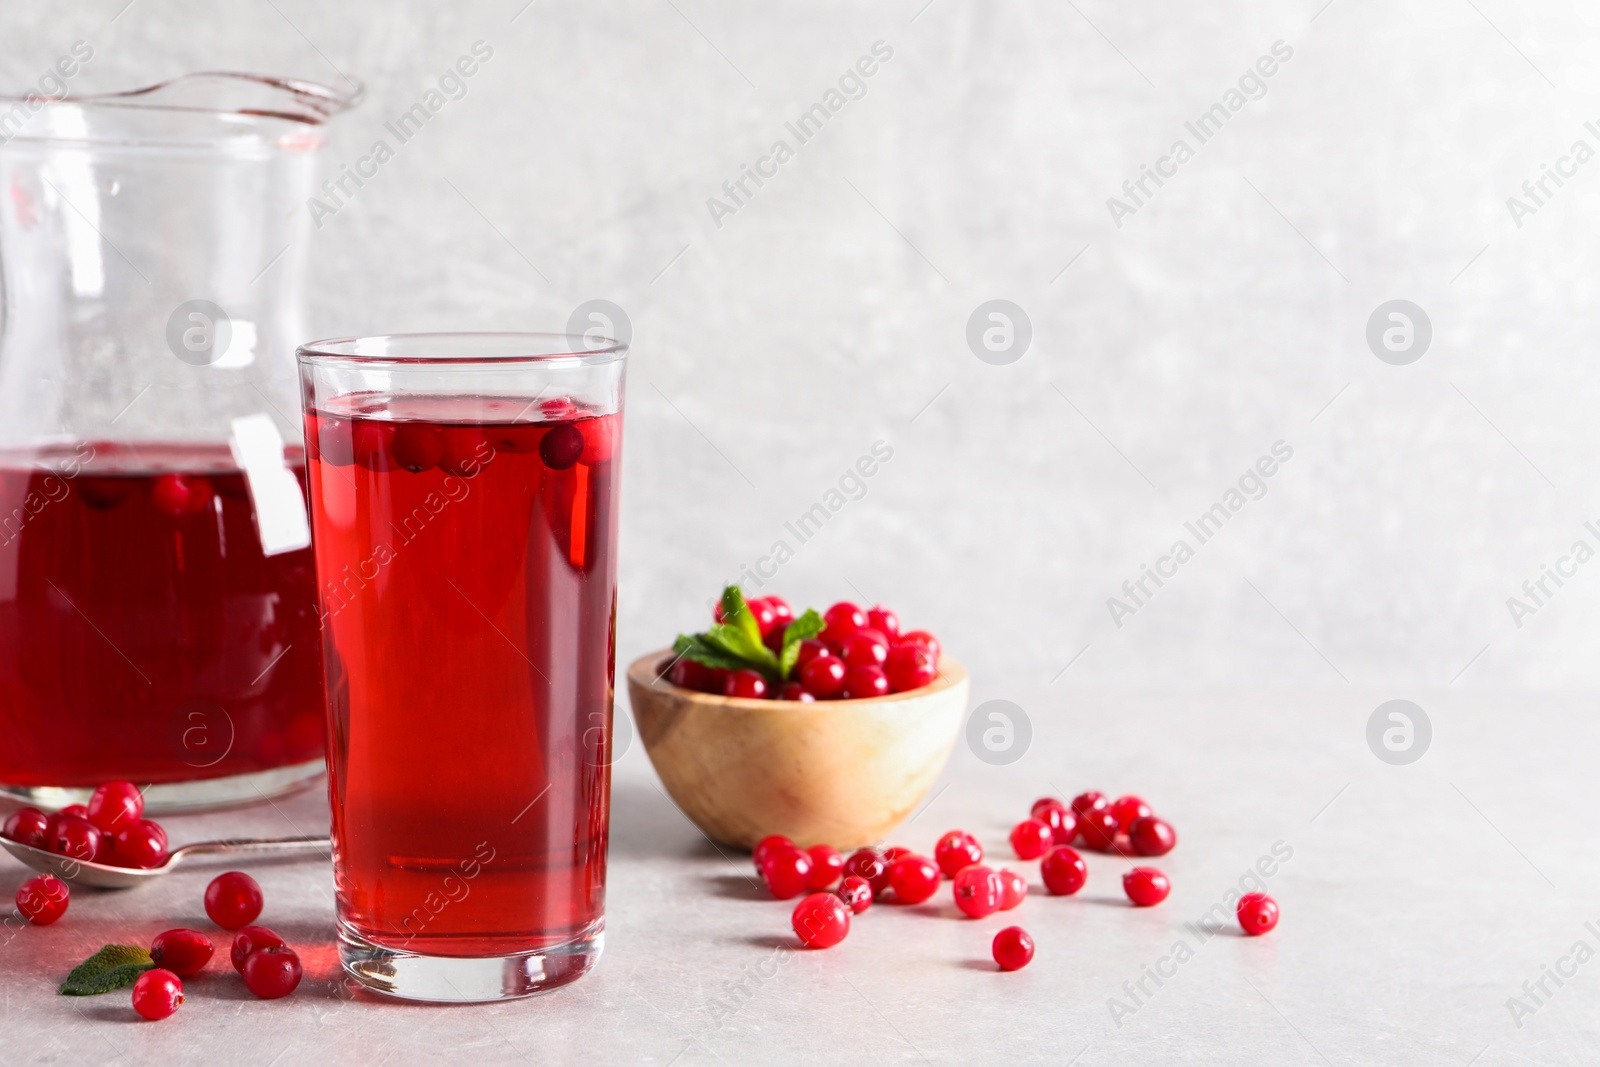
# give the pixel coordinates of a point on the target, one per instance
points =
(646, 825)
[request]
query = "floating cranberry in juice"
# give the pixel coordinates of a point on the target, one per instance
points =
(144, 634)
(468, 581)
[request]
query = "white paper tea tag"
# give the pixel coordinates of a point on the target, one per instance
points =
(280, 506)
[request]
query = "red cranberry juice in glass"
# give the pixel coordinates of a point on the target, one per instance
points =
(468, 578)
(143, 634)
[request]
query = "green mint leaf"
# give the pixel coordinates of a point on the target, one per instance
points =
(737, 614)
(805, 627)
(738, 642)
(696, 648)
(113, 967)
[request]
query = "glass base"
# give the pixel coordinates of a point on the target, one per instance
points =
(173, 798)
(458, 980)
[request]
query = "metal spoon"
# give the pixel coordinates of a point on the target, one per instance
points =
(105, 876)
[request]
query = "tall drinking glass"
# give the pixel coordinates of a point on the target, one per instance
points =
(464, 520)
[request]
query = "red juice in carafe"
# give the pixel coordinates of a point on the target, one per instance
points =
(467, 568)
(144, 635)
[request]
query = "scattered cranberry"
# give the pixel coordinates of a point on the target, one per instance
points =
(884, 621)
(1257, 913)
(746, 684)
(42, 900)
(914, 879)
(80, 810)
(955, 850)
(247, 940)
(1013, 948)
(1146, 886)
(977, 891)
(894, 852)
(821, 920)
(862, 683)
(1151, 836)
(869, 864)
(1128, 810)
(28, 825)
(1093, 800)
(272, 971)
(77, 837)
(842, 620)
(826, 866)
(1013, 888)
(796, 691)
(183, 952)
(1098, 830)
(909, 667)
(1031, 839)
(787, 871)
(765, 845)
(157, 994)
(923, 639)
(855, 892)
(560, 448)
(823, 677)
(141, 846)
(115, 806)
(1064, 871)
(233, 900)
(1060, 818)
(864, 648)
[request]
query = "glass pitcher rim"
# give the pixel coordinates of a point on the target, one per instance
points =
(317, 103)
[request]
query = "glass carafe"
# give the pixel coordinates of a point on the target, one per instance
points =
(158, 617)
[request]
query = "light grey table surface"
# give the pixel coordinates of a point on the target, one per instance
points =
(1416, 902)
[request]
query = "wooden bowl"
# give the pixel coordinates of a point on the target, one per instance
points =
(836, 772)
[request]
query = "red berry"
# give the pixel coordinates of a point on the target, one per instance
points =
(687, 674)
(884, 621)
(795, 691)
(371, 441)
(142, 846)
(810, 649)
(1093, 800)
(115, 806)
(77, 837)
(417, 447)
(909, 667)
(1257, 913)
(599, 439)
(42, 900)
(247, 940)
(766, 845)
(1013, 948)
(855, 892)
(746, 684)
(178, 495)
(894, 852)
(233, 900)
(183, 952)
(157, 994)
(1128, 810)
(955, 850)
(1064, 871)
(864, 648)
(914, 879)
(466, 451)
(271, 972)
(28, 826)
(1098, 830)
(1062, 822)
(923, 639)
(842, 620)
(869, 865)
(80, 810)
(977, 891)
(1013, 888)
(821, 920)
(826, 866)
(786, 870)
(862, 683)
(823, 677)
(561, 446)
(1151, 836)
(1031, 839)
(1146, 886)
(766, 618)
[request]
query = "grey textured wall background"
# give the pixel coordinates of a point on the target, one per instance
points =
(1168, 354)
